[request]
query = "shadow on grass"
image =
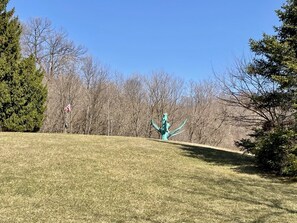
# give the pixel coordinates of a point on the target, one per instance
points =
(244, 164)
(240, 162)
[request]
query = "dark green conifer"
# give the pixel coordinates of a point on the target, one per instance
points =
(22, 94)
(274, 144)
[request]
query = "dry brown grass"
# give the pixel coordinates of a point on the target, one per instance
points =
(77, 178)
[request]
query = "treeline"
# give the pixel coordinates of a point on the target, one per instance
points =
(106, 103)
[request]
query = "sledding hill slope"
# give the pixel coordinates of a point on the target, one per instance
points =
(75, 178)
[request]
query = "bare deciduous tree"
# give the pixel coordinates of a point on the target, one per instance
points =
(135, 99)
(63, 90)
(34, 38)
(205, 114)
(95, 79)
(60, 52)
(51, 48)
(164, 96)
(240, 90)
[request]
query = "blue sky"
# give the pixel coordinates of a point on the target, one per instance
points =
(187, 38)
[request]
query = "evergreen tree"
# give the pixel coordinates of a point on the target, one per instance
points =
(22, 94)
(274, 144)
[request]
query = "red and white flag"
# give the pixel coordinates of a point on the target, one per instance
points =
(67, 108)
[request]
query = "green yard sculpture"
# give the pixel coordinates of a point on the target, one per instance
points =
(164, 130)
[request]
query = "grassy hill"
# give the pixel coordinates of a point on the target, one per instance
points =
(76, 178)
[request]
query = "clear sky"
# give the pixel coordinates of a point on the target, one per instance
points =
(188, 38)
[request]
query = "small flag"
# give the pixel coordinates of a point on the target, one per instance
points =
(67, 108)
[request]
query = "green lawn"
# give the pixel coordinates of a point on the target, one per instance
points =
(76, 178)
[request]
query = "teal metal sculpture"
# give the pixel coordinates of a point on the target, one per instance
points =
(164, 130)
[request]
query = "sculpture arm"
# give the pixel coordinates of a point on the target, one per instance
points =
(155, 125)
(177, 130)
